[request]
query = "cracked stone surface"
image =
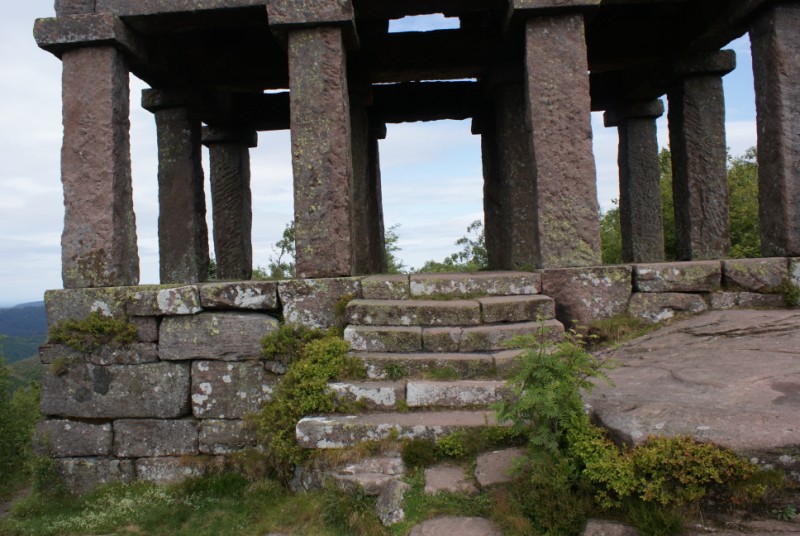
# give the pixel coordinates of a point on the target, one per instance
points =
(462, 526)
(731, 377)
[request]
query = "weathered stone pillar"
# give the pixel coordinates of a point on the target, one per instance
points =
(368, 253)
(697, 141)
(639, 190)
(231, 200)
(559, 118)
(322, 154)
(495, 216)
(775, 41)
(182, 229)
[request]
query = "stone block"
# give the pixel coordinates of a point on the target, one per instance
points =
(74, 7)
(77, 304)
(794, 271)
(384, 339)
(441, 339)
(255, 295)
(463, 526)
(389, 505)
(607, 527)
(152, 390)
(583, 295)
(169, 470)
(83, 475)
(516, 308)
(66, 34)
(227, 336)
(724, 300)
(223, 390)
(448, 478)
(454, 394)
(692, 276)
(386, 287)
(63, 439)
(154, 301)
(756, 275)
(757, 300)
(312, 302)
(219, 437)
(414, 312)
(146, 328)
(494, 337)
(151, 438)
(371, 396)
(132, 354)
(477, 284)
(657, 307)
(538, 5)
(381, 366)
(497, 467)
(309, 12)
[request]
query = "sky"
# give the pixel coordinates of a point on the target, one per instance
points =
(431, 172)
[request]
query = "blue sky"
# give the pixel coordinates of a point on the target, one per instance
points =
(432, 183)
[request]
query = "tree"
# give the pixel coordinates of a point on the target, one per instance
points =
(393, 263)
(471, 258)
(282, 261)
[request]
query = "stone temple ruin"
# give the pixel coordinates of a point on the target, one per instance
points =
(527, 72)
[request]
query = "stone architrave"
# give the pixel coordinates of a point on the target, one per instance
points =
(639, 176)
(775, 41)
(182, 229)
(231, 200)
(322, 157)
(699, 176)
(516, 174)
(98, 244)
(368, 231)
(557, 85)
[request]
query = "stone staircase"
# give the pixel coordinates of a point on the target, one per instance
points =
(435, 354)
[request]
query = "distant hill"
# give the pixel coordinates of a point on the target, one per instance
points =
(25, 329)
(25, 371)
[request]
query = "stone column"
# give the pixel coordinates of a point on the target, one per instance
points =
(369, 253)
(98, 244)
(182, 229)
(699, 153)
(775, 41)
(231, 200)
(516, 172)
(639, 177)
(322, 156)
(559, 119)
(495, 216)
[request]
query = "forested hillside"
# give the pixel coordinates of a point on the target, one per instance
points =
(24, 329)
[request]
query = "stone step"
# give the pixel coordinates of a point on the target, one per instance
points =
(454, 285)
(454, 394)
(470, 339)
(343, 431)
(390, 396)
(497, 309)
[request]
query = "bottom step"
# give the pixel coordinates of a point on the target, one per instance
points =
(342, 431)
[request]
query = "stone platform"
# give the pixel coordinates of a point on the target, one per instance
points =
(730, 377)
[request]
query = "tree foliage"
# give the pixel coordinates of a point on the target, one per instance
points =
(472, 256)
(743, 211)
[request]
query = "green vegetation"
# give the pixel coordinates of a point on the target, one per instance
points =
(472, 256)
(743, 211)
(91, 333)
(459, 445)
(19, 411)
(617, 329)
(315, 359)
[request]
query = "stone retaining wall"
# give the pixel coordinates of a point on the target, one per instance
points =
(173, 403)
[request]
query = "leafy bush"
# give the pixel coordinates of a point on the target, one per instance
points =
(94, 331)
(285, 344)
(303, 391)
(418, 452)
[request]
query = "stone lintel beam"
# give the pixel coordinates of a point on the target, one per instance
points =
(425, 101)
(98, 244)
(128, 8)
(182, 229)
(639, 177)
(231, 199)
(520, 10)
(775, 42)
(652, 109)
(322, 155)
(502, 74)
(559, 121)
(720, 63)
(74, 7)
(284, 15)
(56, 35)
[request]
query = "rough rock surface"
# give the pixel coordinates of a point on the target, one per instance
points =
(62, 438)
(82, 475)
(605, 527)
(756, 275)
(227, 336)
(240, 295)
(390, 503)
(157, 301)
(385, 287)
(496, 467)
(448, 477)
(371, 474)
(730, 377)
(478, 284)
(137, 438)
(223, 390)
(462, 526)
(312, 302)
(76, 304)
(586, 294)
(215, 436)
(657, 307)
